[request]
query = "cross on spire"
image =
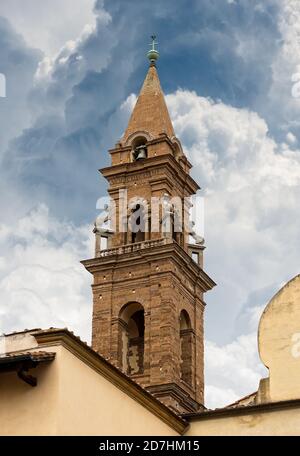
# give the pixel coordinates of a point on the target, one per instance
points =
(153, 43)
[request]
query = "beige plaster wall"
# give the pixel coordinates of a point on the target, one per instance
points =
(279, 342)
(279, 422)
(26, 410)
(71, 399)
(91, 405)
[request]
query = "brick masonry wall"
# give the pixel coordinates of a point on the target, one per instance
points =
(163, 291)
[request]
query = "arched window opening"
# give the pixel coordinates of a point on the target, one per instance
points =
(137, 224)
(185, 348)
(131, 338)
(139, 149)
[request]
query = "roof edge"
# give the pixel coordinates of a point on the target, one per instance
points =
(86, 354)
(241, 410)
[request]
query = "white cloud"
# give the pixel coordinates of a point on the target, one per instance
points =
(252, 207)
(14, 113)
(69, 49)
(232, 370)
(42, 283)
(280, 105)
(252, 187)
(56, 27)
(48, 24)
(216, 397)
(291, 139)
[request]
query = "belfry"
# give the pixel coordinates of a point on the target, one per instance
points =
(148, 274)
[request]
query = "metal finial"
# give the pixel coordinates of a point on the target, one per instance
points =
(154, 42)
(153, 54)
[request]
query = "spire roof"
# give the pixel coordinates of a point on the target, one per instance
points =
(150, 113)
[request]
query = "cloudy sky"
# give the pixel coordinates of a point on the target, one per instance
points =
(230, 70)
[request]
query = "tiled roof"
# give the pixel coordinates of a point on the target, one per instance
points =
(36, 356)
(244, 401)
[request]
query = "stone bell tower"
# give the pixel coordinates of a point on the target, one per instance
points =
(149, 280)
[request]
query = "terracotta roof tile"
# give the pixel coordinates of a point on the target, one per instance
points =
(36, 356)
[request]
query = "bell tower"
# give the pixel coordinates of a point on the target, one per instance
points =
(149, 280)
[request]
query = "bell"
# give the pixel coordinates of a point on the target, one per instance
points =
(141, 154)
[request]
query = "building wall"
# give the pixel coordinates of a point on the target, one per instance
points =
(71, 399)
(164, 290)
(275, 423)
(91, 405)
(279, 342)
(26, 410)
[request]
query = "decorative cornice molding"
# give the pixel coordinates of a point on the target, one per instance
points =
(126, 171)
(174, 250)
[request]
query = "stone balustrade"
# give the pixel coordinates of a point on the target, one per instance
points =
(130, 248)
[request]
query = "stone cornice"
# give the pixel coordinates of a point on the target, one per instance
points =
(159, 252)
(125, 171)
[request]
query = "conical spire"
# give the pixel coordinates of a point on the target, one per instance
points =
(150, 113)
